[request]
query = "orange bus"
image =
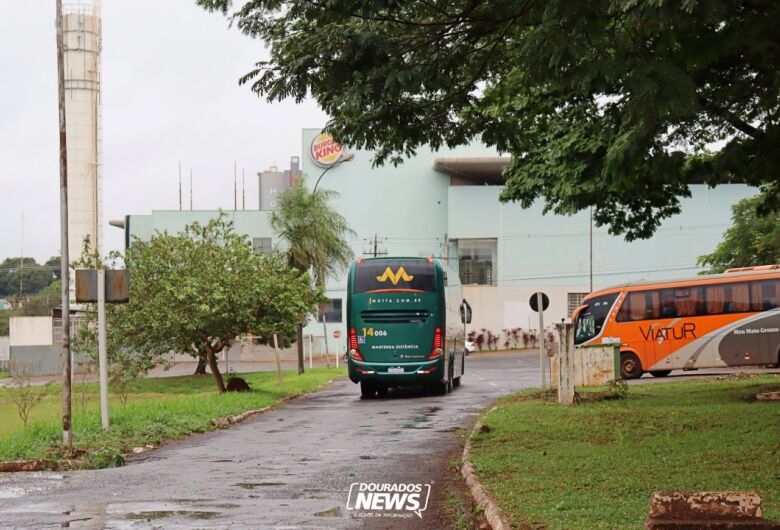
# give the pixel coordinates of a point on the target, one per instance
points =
(714, 321)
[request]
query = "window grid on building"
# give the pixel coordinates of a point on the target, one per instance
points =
(574, 300)
(331, 310)
(477, 258)
(261, 245)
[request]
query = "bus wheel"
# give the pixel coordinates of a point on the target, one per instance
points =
(382, 390)
(456, 382)
(441, 388)
(630, 367)
(367, 389)
(660, 373)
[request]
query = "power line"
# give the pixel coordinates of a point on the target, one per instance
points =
(582, 274)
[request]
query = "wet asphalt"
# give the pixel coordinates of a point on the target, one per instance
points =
(291, 467)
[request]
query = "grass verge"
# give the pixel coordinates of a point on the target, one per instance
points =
(157, 410)
(595, 465)
(4, 374)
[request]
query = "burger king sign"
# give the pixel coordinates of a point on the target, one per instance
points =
(325, 151)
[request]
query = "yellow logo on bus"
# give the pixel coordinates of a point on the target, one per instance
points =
(395, 277)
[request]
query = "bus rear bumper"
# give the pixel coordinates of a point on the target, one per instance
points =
(391, 374)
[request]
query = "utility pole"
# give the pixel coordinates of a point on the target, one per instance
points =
(235, 187)
(102, 354)
(590, 252)
(21, 261)
(179, 185)
(243, 188)
(190, 189)
(67, 434)
(373, 248)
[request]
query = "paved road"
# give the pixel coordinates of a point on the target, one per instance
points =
(289, 468)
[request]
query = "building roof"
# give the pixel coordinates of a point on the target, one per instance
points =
(748, 272)
(480, 169)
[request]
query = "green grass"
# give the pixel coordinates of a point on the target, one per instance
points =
(595, 465)
(4, 373)
(158, 409)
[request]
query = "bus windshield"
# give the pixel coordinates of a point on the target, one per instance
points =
(591, 319)
(395, 275)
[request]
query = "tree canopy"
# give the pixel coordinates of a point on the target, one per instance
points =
(35, 277)
(199, 290)
(750, 241)
(615, 104)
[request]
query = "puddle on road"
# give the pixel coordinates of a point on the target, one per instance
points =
(416, 422)
(449, 429)
(163, 514)
(253, 485)
(333, 512)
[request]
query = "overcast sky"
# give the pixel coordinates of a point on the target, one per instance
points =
(170, 93)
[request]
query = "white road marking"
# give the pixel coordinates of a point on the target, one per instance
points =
(491, 383)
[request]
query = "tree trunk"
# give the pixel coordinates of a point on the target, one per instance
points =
(300, 349)
(212, 357)
(201, 368)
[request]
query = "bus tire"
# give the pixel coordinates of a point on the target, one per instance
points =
(456, 382)
(630, 366)
(660, 373)
(382, 390)
(367, 389)
(440, 389)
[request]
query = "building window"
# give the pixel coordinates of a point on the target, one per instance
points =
(261, 245)
(477, 259)
(573, 301)
(331, 311)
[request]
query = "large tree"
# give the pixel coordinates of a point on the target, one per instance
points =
(615, 104)
(199, 290)
(316, 238)
(752, 240)
(34, 277)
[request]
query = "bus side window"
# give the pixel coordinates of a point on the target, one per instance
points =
(740, 297)
(756, 296)
(668, 304)
(645, 305)
(689, 301)
(716, 299)
(623, 313)
(770, 291)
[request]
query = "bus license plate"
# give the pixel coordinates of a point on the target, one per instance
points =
(395, 370)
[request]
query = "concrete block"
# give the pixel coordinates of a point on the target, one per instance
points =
(733, 510)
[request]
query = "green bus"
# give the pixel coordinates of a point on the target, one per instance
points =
(406, 325)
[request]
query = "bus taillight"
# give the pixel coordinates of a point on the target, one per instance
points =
(354, 351)
(437, 345)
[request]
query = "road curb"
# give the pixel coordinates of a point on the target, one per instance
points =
(494, 515)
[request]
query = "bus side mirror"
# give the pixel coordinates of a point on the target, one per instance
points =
(465, 312)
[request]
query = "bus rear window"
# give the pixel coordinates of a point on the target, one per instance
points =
(391, 275)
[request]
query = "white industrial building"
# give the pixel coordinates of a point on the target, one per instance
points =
(445, 204)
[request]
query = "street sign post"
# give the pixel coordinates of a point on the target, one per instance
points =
(101, 286)
(539, 302)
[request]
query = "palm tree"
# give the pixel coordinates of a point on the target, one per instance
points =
(316, 234)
